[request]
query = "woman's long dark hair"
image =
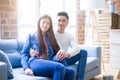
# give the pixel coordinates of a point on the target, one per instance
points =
(50, 35)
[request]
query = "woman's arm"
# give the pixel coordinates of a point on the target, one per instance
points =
(25, 53)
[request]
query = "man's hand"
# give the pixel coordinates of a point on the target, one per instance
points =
(29, 72)
(61, 55)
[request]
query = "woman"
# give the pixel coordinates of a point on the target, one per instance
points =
(44, 43)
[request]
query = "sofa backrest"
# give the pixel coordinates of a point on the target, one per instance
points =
(93, 51)
(12, 48)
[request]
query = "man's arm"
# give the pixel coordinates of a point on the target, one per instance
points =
(73, 48)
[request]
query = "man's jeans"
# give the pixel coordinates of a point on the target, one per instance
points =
(81, 58)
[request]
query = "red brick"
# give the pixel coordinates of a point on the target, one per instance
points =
(8, 18)
(1, 15)
(9, 28)
(3, 21)
(12, 21)
(5, 34)
(4, 2)
(14, 33)
(6, 15)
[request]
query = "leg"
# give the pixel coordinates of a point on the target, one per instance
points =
(82, 65)
(47, 68)
(60, 61)
(81, 58)
(70, 73)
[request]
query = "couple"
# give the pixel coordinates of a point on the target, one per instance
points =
(45, 54)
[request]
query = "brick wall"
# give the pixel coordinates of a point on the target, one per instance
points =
(81, 24)
(8, 19)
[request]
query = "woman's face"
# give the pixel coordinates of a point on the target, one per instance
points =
(45, 24)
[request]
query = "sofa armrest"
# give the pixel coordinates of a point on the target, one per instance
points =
(93, 52)
(3, 71)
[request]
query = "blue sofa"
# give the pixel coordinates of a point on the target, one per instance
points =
(12, 48)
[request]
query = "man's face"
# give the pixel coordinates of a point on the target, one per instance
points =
(62, 22)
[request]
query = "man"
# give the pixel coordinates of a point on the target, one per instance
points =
(67, 43)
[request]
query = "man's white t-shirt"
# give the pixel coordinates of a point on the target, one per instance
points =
(67, 43)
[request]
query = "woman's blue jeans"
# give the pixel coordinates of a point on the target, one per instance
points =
(52, 69)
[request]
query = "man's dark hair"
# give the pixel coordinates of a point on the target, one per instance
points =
(63, 14)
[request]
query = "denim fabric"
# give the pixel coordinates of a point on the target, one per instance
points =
(64, 62)
(52, 69)
(70, 73)
(32, 43)
(35, 44)
(81, 58)
(47, 68)
(41, 67)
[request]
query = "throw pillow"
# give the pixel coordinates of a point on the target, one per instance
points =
(4, 58)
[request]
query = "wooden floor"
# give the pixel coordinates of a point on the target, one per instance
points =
(107, 70)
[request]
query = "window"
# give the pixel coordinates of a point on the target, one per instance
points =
(27, 17)
(29, 13)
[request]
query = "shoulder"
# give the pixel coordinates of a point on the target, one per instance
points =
(56, 33)
(34, 34)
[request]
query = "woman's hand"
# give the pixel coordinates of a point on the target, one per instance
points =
(34, 53)
(29, 72)
(61, 55)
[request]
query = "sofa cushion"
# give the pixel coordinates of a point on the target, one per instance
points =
(12, 48)
(92, 63)
(4, 58)
(19, 75)
(15, 59)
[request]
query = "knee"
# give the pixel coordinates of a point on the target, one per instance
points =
(70, 70)
(83, 53)
(60, 67)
